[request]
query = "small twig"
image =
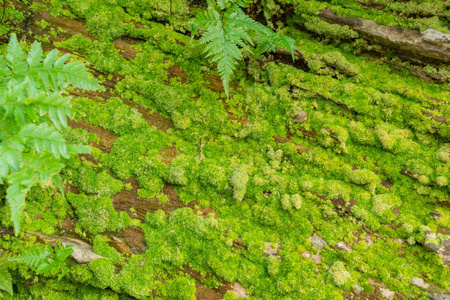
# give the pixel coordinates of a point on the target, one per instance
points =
(5, 3)
(201, 151)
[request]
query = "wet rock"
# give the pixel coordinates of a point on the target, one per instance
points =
(425, 45)
(121, 246)
(317, 258)
(444, 250)
(357, 289)
(368, 240)
(239, 290)
(82, 251)
(400, 241)
(436, 215)
(317, 241)
(306, 254)
(301, 117)
(432, 247)
(272, 251)
(387, 293)
(344, 246)
(419, 282)
(439, 296)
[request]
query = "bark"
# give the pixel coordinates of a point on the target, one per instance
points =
(428, 46)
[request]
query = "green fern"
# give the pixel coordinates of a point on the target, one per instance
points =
(5, 276)
(227, 29)
(47, 260)
(32, 111)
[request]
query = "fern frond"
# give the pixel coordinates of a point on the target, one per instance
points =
(56, 107)
(44, 166)
(34, 258)
(239, 19)
(35, 55)
(12, 157)
(19, 185)
(205, 19)
(5, 281)
(15, 57)
(31, 106)
(44, 138)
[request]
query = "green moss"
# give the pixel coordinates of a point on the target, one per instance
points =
(102, 248)
(238, 181)
(339, 275)
(103, 270)
(97, 214)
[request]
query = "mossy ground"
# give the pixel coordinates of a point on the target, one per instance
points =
(251, 200)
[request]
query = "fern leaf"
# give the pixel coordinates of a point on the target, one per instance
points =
(19, 185)
(14, 55)
(58, 182)
(42, 137)
(4, 169)
(59, 63)
(4, 70)
(5, 281)
(61, 253)
(44, 166)
(34, 258)
(12, 157)
(205, 19)
(50, 59)
(239, 19)
(35, 55)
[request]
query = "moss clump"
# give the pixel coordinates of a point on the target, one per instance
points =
(103, 270)
(273, 265)
(443, 154)
(296, 200)
(97, 214)
(364, 177)
(102, 248)
(336, 59)
(382, 205)
(238, 181)
(442, 181)
(286, 202)
(340, 276)
(215, 176)
(334, 31)
(177, 171)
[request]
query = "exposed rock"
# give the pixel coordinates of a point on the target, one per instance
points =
(317, 241)
(239, 290)
(444, 250)
(121, 246)
(368, 240)
(427, 45)
(301, 117)
(439, 296)
(436, 215)
(357, 289)
(317, 258)
(306, 254)
(419, 282)
(82, 251)
(271, 250)
(400, 241)
(387, 293)
(432, 247)
(344, 246)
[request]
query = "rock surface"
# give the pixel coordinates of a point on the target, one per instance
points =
(344, 246)
(427, 45)
(82, 251)
(317, 241)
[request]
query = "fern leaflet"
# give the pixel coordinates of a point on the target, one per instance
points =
(227, 30)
